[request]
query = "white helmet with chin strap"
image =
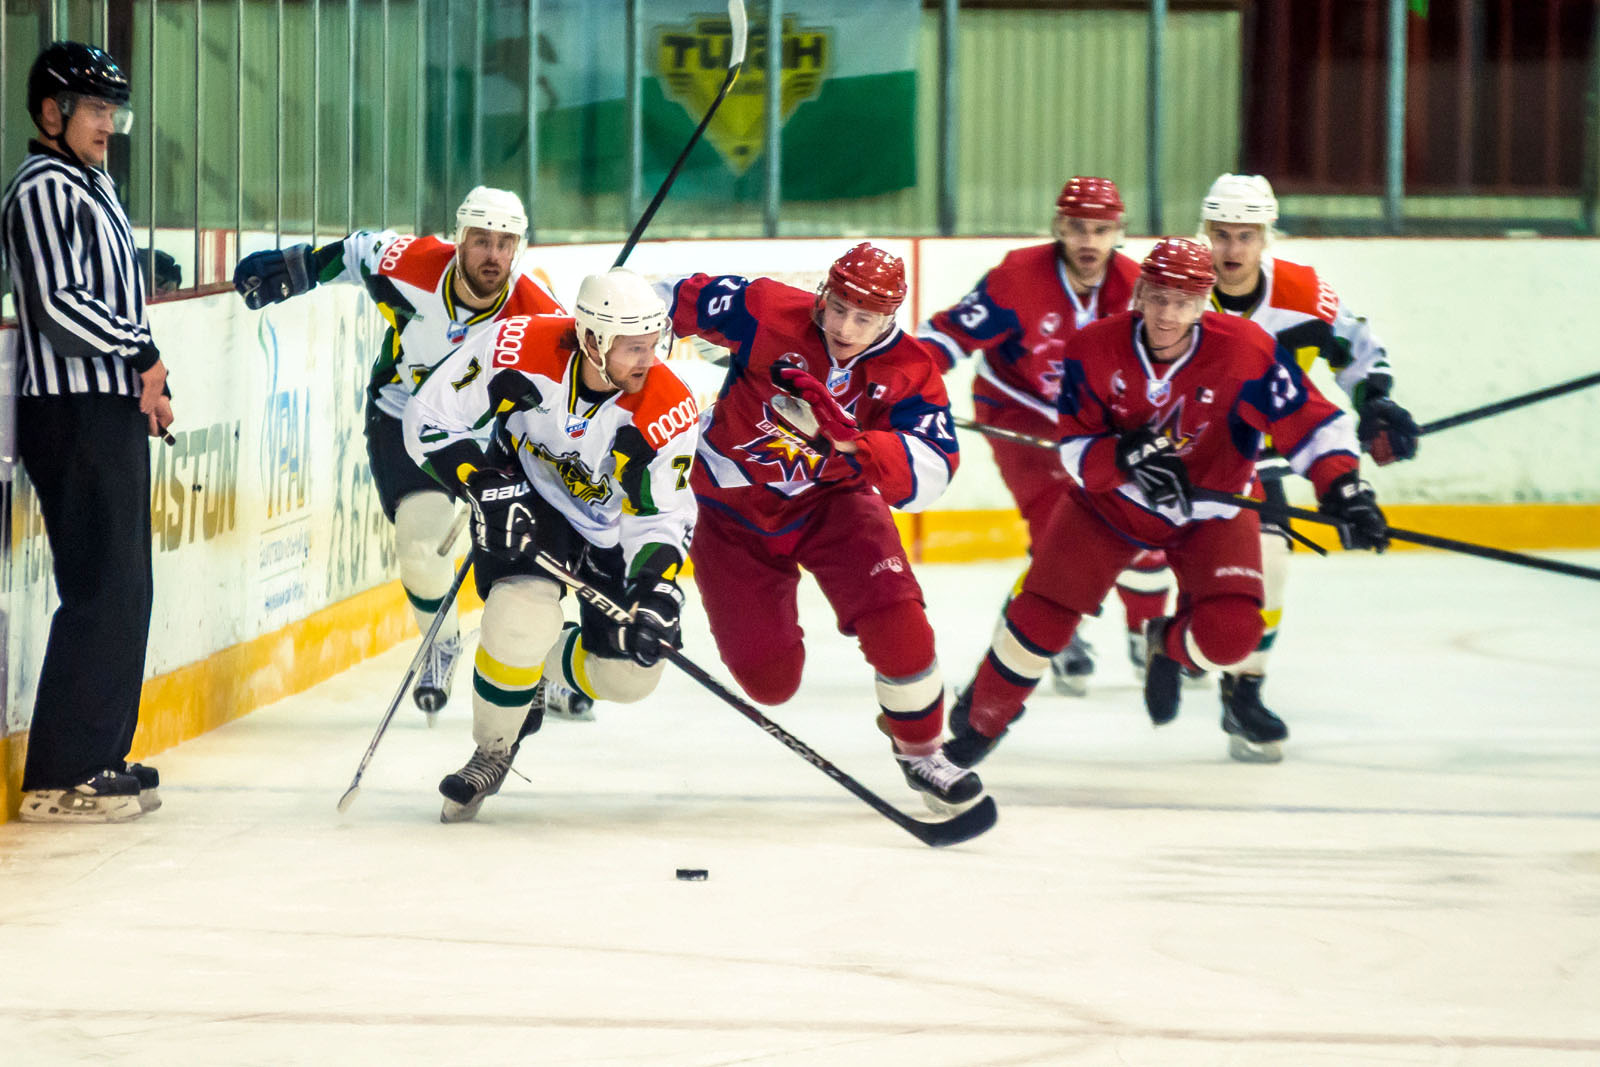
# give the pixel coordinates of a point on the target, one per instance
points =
(492, 209)
(615, 304)
(1240, 198)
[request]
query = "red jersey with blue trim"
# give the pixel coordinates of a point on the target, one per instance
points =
(1234, 384)
(754, 463)
(1020, 316)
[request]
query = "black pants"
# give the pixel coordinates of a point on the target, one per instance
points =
(89, 460)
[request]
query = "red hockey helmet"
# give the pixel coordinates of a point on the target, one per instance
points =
(868, 278)
(1090, 198)
(1179, 263)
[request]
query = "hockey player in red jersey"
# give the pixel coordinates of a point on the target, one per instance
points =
(829, 416)
(1018, 319)
(1310, 322)
(1155, 402)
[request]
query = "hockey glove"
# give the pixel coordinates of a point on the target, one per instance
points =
(834, 422)
(1360, 521)
(1151, 462)
(273, 276)
(657, 603)
(1387, 430)
(502, 512)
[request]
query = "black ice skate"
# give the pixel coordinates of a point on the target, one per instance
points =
(967, 747)
(1070, 668)
(149, 782)
(557, 701)
(1162, 674)
(105, 796)
(432, 690)
(465, 790)
(947, 788)
(1255, 734)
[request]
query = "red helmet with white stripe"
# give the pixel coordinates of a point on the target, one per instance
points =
(868, 278)
(1090, 198)
(1179, 263)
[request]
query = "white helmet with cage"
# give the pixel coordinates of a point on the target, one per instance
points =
(615, 304)
(499, 210)
(1240, 198)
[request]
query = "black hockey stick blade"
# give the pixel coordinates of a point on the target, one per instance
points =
(963, 827)
(738, 35)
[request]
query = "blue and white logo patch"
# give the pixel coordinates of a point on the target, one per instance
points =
(456, 332)
(838, 380)
(577, 426)
(1157, 392)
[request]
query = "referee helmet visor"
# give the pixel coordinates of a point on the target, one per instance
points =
(78, 75)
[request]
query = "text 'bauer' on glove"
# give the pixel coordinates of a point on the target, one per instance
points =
(502, 512)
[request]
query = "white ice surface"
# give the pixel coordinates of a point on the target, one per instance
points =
(1418, 882)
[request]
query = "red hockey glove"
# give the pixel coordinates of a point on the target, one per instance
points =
(835, 423)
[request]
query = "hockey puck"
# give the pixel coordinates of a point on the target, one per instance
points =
(692, 874)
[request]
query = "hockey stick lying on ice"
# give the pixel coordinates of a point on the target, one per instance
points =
(349, 796)
(736, 25)
(1509, 404)
(963, 827)
(1466, 548)
(1041, 442)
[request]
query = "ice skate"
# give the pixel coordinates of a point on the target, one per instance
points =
(1070, 668)
(105, 796)
(966, 746)
(1255, 734)
(432, 690)
(1162, 674)
(149, 783)
(557, 701)
(947, 788)
(465, 790)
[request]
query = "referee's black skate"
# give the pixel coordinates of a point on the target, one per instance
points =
(105, 796)
(1255, 734)
(465, 790)
(149, 780)
(1163, 675)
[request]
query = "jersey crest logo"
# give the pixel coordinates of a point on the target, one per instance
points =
(574, 474)
(576, 426)
(1049, 324)
(1157, 392)
(778, 446)
(456, 332)
(838, 380)
(693, 61)
(1183, 432)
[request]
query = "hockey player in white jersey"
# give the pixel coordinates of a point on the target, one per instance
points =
(435, 295)
(593, 441)
(1309, 320)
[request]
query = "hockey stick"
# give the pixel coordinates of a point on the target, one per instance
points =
(1509, 404)
(1466, 548)
(405, 683)
(1040, 442)
(963, 827)
(456, 527)
(736, 22)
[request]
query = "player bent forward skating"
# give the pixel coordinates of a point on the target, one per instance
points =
(1156, 402)
(589, 463)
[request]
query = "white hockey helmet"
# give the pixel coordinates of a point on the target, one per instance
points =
(1240, 198)
(491, 209)
(617, 303)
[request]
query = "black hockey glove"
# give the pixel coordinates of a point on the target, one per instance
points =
(1152, 463)
(657, 603)
(275, 275)
(1387, 430)
(502, 512)
(1360, 521)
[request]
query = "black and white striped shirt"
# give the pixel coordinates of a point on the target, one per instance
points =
(75, 273)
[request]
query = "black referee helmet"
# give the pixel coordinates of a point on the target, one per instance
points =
(79, 69)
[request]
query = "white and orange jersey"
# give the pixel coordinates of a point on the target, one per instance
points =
(412, 280)
(1309, 320)
(616, 466)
